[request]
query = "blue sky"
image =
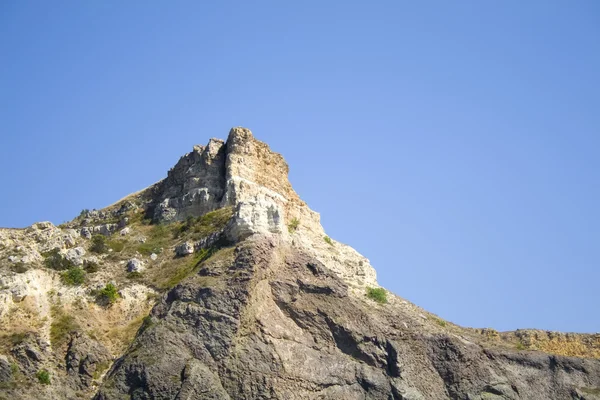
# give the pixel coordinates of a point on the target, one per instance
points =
(454, 144)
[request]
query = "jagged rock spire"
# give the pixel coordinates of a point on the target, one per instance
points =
(246, 174)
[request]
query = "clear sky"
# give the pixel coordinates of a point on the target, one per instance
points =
(454, 144)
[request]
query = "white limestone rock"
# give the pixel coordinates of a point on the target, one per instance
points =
(75, 255)
(135, 265)
(184, 249)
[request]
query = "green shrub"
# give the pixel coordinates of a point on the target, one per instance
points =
(83, 213)
(190, 267)
(377, 294)
(54, 260)
(159, 231)
(441, 322)
(17, 338)
(148, 248)
(109, 293)
(74, 276)
(90, 266)
(135, 275)
(100, 368)
(146, 323)
(62, 325)
(43, 376)
(293, 225)
(328, 240)
(204, 225)
(116, 245)
(99, 244)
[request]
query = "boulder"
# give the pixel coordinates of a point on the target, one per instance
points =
(184, 249)
(86, 232)
(135, 265)
(75, 255)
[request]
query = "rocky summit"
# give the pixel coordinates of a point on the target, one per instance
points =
(219, 282)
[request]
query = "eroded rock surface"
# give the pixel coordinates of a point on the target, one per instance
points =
(273, 322)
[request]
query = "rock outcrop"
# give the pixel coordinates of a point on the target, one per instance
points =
(219, 282)
(245, 174)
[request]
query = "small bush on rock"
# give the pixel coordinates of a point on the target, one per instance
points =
(116, 245)
(17, 338)
(377, 294)
(54, 260)
(109, 293)
(441, 322)
(62, 325)
(135, 275)
(328, 240)
(99, 244)
(43, 376)
(293, 225)
(74, 276)
(90, 267)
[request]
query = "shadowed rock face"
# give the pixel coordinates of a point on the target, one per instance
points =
(275, 323)
(249, 300)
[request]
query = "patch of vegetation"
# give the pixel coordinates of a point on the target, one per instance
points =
(17, 338)
(74, 276)
(158, 238)
(172, 273)
(90, 266)
(109, 294)
(100, 368)
(328, 240)
(43, 376)
(136, 216)
(83, 213)
(589, 390)
(148, 248)
(135, 275)
(521, 346)
(377, 294)
(204, 225)
(191, 267)
(56, 261)
(19, 267)
(62, 325)
(116, 245)
(146, 323)
(441, 322)
(159, 231)
(293, 225)
(490, 333)
(99, 244)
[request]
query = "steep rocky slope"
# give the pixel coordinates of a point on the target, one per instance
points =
(219, 283)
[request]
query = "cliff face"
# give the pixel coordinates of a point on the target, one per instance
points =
(225, 286)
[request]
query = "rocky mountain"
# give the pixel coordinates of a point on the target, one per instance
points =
(219, 282)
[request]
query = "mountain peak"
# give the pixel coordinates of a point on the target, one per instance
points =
(219, 282)
(244, 173)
